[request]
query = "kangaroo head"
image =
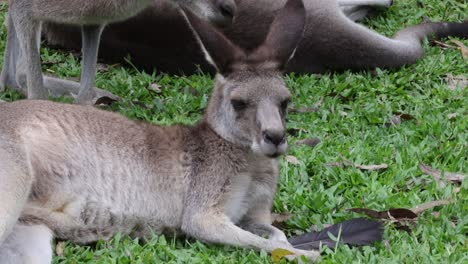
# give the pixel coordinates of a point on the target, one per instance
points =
(249, 102)
(218, 12)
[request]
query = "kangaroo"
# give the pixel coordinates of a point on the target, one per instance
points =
(332, 40)
(83, 174)
(22, 67)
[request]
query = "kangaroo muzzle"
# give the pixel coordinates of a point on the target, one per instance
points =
(273, 140)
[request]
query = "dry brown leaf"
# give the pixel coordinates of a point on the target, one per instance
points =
(291, 159)
(105, 100)
(397, 118)
(387, 244)
(306, 109)
(278, 219)
(279, 253)
(101, 67)
(191, 90)
(443, 45)
(456, 82)
(423, 207)
(155, 87)
(59, 248)
(311, 142)
(437, 174)
(316, 228)
(372, 167)
(452, 116)
(463, 49)
(346, 163)
(403, 218)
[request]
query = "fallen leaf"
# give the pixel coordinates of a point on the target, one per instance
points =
(452, 116)
(59, 248)
(346, 163)
(402, 218)
(154, 87)
(291, 159)
(101, 67)
(293, 131)
(279, 219)
(343, 114)
(456, 82)
(50, 62)
(437, 174)
(279, 253)
(316, 227)
(372, 167)
(397, 119)
(387, 244)
(192, 91)
(302, 110)
(435, 214)
(463, 49)
(305, 109)
(423, 207)
(442, 44)
(311, 142)
(397, 213)
(356, 232)
(104, 100)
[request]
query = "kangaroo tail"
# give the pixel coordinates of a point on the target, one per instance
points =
(433, 30)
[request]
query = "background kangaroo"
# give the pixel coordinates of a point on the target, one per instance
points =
(84, 174)
(22, 67)
(331, 40)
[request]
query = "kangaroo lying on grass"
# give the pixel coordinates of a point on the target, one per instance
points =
(82, 174)
(22, 65)
(332, 40)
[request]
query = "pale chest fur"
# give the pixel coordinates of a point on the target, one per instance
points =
(237, 203)
(249, 191)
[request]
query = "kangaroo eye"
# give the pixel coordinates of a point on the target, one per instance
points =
(239, 105)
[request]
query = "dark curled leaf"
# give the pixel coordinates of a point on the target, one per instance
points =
(401, 213)
(279, 219)
(105, 100)
(369, 212)
(311, 142)
(398, 213)
(354, 232)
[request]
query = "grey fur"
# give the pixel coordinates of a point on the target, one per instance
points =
(332, 40)
(22, 66)
(87, 174)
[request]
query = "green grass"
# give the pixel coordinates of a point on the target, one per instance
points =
(314, 193)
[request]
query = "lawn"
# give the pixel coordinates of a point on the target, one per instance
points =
(353, 121)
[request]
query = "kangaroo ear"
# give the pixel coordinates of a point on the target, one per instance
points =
(285, 33)
(219, 51)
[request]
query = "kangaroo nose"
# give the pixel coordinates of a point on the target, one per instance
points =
(227, 8)
(274, 137)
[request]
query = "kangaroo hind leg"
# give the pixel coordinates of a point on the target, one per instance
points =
(27, 245)
(15, 185)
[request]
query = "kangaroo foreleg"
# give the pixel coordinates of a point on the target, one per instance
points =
(217, 228)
